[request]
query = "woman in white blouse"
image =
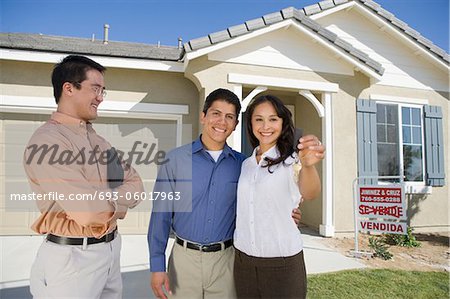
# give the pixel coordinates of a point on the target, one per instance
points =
(274, 179)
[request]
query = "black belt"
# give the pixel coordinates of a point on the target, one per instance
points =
(205, 248)
(80, 241)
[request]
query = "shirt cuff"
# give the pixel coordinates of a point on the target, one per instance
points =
(158, 264)
(115, 208)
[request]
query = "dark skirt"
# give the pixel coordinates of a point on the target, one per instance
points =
(279, 277)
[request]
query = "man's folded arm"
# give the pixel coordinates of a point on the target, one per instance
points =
(82, 201)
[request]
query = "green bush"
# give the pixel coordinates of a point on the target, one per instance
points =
(402, 240)
(380, 248)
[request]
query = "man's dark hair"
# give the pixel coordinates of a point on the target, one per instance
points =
(222, 94)
(72, 69)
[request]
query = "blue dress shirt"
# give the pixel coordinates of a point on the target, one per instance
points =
(206, 212)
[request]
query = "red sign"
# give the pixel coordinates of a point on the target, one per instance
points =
(387, 202)
(383, 227)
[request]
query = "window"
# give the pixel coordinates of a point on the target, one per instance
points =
(400, 141)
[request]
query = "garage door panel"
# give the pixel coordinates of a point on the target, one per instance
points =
(124, 134)
(13, 223)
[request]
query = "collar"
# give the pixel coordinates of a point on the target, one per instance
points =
(272, 153)
(74, 124)
(197, 146)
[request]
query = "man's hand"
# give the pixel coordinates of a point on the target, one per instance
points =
(157, 280)
(114, 170)
(296, 215)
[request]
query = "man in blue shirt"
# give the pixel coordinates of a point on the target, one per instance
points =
(205, 173)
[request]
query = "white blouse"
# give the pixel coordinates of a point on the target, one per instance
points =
(264, 225)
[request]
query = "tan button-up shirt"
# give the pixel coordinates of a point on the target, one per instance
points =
(64, 158)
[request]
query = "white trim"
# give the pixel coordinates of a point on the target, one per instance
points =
(407, 100)
(250, 96)
(422, 145)
(403, 37)
(14, 284)
(203, 51)
(289, 22)
(384, 26)
(282, 82)
(313, 100)
(44, 103)
(116, 62)
(361, 67)
(237, 134)
(416, 189)
(330, 11)
(327, 227)
(415, 185)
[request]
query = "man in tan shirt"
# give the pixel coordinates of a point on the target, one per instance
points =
(85, 191)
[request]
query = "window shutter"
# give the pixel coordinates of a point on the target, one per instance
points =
(366, 115)
(434, 145)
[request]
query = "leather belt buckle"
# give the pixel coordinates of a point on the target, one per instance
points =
(204, 247)
(109, 237)
(84, 241)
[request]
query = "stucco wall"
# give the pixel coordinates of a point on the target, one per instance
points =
(427, 211)
(32, 81)
(210, 75)
(432, 212)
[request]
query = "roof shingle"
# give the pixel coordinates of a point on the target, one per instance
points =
(273, 18)
(62, 44)
(146, 51)
(255, 24)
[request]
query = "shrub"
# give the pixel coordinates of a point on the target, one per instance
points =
(402, 240)
(380, 248)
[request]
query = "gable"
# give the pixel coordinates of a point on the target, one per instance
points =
(283, 19)
(284, 48)
(404, 64)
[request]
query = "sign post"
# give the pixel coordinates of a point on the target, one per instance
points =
(379, 208)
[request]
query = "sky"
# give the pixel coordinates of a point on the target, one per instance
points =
(153, 21)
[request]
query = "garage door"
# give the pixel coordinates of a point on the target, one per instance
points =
(144, 135)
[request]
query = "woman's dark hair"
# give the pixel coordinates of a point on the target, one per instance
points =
(286, 140)
(72, 69)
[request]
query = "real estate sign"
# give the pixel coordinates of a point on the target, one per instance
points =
(387, 227)
(377, 206)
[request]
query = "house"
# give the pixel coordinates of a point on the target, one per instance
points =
(372, 88)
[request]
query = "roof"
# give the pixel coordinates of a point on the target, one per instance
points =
(302, 16)
(285, 14)
(60, 44)
(63, 44)
(387, 16)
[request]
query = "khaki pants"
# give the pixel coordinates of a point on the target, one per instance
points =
(67, 271)
(195, 274)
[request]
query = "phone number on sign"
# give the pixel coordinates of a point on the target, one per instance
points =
(113, 195)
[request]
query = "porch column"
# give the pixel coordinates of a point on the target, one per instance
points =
(327, 227)
(236, 141)
(237, 134)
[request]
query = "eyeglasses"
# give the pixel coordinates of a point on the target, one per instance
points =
(99, 91)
